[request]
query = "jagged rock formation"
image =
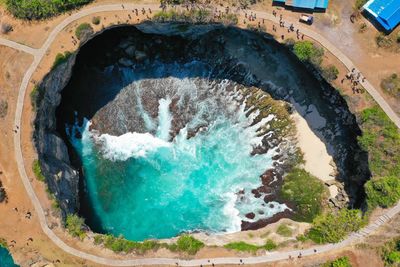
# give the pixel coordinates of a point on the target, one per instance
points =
(61, 178)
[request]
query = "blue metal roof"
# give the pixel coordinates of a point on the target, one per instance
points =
(311, 4)
(386, 12)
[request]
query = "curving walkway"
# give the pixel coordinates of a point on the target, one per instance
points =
(270, 256)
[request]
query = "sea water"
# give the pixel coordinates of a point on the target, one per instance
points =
(153, 185)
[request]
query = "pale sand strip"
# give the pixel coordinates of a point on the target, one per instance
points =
(317, 160)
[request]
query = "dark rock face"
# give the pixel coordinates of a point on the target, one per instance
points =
(61, 178)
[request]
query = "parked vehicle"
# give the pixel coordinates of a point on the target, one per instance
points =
(306, 19)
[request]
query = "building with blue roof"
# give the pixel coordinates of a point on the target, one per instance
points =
(308, 4)
(386, 12)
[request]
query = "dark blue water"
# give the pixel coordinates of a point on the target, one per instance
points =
(6, 259)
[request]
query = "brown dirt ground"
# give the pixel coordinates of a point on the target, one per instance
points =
(17, 227)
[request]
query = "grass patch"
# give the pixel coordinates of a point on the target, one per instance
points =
(333, 227)
(74, 225)
(381, 139)
(36, 95)
(37, 170)
(339, 262)
(60, 59)
(246, 247)
(391, 85)
(306, 192)
(41, 9)
(185, 243)
(284, 230)
(83, 31)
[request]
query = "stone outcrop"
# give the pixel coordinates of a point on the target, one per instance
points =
(61, 178)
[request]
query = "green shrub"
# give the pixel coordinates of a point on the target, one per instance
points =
(246, 247)
(41, 9)
(37, 170)
(242, 246)
(3, 108)
(333, 227)
(96, 20)
(284, 230)
(339, 262)
(61, 58)
(3, 243)
(269, 245)
(306, 192)
(189, 244)
(391, 85)
(383, 192)
(330, 73)
(381, 139)
(83, 31)
(36, 95)
(390, 252)
(309, 52)
(74, 225)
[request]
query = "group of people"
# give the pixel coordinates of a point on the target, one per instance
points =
(355, 78)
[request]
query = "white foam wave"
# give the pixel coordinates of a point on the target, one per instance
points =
(129, 145)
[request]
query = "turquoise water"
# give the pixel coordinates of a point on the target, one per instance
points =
(5, 258)
(147, 185)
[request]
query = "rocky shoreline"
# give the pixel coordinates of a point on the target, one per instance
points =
(212, 44)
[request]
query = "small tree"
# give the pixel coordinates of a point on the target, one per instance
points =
(83, 31)
(74, 225)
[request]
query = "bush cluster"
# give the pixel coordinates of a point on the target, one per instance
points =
(41, 9)
(194, 16)
(383, 192)
(185, 243)
(37, 170)
(390, 253)
(61, 58)
(309, 52)
(245, 247)
(74, 225)
(36, 95)
(391, 85)
(381, 139)
(339, 262)
(333, 227)
(83, 31)
(330, 73)
(305, 191)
